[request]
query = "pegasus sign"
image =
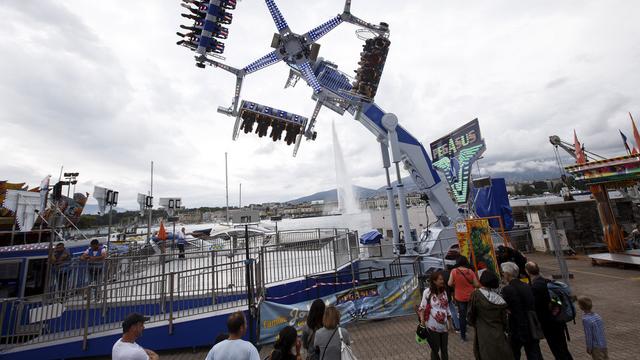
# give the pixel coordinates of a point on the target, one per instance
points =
(454, 155)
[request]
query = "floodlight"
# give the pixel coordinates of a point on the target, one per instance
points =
(100, 194)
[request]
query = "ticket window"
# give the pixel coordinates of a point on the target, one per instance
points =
(35, 279)
(10, 278)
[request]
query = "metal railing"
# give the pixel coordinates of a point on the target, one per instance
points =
(101, 307)
(85, 298)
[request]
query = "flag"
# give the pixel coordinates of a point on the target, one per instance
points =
(636, 135)
(624, 141)
(580, 159)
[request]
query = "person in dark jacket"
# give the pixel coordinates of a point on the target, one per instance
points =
(519, 298)
(553, 331)
(488, 314)
(508, 254)
(287, 346)
(313, 324)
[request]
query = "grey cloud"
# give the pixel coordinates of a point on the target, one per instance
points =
(557, 82)
(104, 91)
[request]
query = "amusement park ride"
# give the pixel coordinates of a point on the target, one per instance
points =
(332, 89)
(602, 175)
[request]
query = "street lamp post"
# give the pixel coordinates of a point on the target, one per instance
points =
(112, 200)
(106, 197)
(171, 205)
(72, 180)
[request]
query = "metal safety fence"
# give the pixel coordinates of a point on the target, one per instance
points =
(88, 298)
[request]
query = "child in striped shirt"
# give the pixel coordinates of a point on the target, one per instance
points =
(593, 330)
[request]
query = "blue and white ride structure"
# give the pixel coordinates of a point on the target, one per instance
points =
(335, 90)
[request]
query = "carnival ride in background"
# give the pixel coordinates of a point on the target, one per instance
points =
(18, 220)
(601, 175)
(332, 89)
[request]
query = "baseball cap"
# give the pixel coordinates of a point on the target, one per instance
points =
(133, 319)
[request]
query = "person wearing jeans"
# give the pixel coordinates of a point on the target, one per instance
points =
(464, 281)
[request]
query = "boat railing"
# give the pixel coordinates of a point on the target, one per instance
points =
(88, 298)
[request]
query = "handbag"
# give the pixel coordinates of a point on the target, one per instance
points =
(422, 332)
(345, 350)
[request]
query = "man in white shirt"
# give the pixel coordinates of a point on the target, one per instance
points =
(234, 348)
(126, 348)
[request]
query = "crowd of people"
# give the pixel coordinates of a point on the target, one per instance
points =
(510, 316)
(508, 319)
(322, 339)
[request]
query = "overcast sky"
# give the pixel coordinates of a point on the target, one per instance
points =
(101, 88)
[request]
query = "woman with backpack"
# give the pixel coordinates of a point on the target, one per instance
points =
(287, 347)
(464, 281)
(435, 315)
(488, 315)
(313, 324)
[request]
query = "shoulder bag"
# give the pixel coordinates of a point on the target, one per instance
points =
(345, 350)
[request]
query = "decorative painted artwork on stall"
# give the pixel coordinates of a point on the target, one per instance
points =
(484, 256)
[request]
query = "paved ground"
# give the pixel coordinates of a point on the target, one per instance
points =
(615, 293)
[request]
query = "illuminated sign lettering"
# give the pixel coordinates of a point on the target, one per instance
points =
(455, 153)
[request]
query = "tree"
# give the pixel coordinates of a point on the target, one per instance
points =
(527, 190)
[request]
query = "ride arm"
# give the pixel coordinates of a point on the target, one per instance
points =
(321, 30)
(571, 149)
(417, 161)
(348, 17)
(557, 142)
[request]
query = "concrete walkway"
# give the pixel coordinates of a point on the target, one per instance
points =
(615, 293)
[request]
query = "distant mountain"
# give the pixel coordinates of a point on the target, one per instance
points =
(92, 209)
(410, 186)
(529, 175)
(408, 183)
(332, 195)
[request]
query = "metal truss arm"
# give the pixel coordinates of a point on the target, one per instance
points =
(267, 60)
(347, 6)
(312, 122)
(321, 30)
(220, 65)
(310, 77)
(382, 29)
(416, 160)
(278, 19)
(233, 109)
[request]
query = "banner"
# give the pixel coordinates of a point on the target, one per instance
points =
(374, 301)
(455, 153)
(484, 255)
